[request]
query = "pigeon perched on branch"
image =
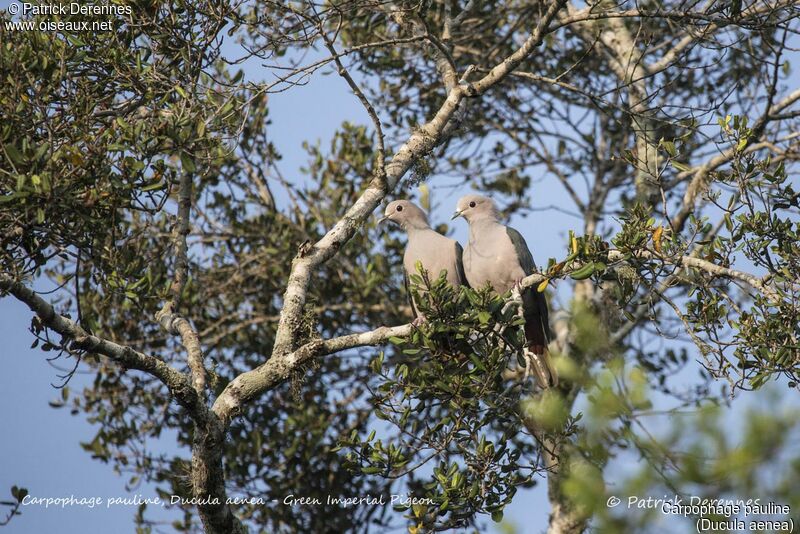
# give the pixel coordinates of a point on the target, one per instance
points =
(425, 245)
(498, 255)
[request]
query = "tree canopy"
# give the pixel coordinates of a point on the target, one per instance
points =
(259, 316)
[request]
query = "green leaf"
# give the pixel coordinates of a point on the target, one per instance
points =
(15, 155)
(187, 162)
(477, 361)
(371, 470)
(741, 145)
(75, 41)
(669, 146)
(680, 166)
(155, 186)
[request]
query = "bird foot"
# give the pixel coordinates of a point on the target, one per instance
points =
(516, 289)
(418, 321)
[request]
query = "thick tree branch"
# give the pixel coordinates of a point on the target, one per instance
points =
(628, 63)
(207, 470)
(208, 479)
(176, 382)
(310, 257)
(180, 245)
(175, 324)
(445, 65)
(248, 385)
(208, 474)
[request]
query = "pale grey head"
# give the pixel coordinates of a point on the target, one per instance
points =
(475, 207)
(406, 214)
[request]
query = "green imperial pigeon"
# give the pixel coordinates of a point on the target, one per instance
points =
(498, 255)
(435, 251)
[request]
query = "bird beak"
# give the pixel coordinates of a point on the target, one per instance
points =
(456, 215)
(383, 220)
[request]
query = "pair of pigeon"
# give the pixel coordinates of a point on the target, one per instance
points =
(496, 255)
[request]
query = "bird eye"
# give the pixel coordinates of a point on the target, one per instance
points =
(472, 204)
(399, 208)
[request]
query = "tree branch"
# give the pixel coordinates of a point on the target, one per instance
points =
(247, 386)
(701, 176)
(310, 257)
(504, 68)
(704, 265)
(168, 317)
(176, 382)
(745, 19)
(627, 62)
(207, 470)
(380, 156)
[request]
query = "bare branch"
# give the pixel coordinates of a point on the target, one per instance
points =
(750, 16)
(380, 156)
(704, 265)
(505, 67)
(176, 382)
(246, 386)
(168, 317)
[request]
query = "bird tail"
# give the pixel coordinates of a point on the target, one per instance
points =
(537, 357)
(539, 364)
